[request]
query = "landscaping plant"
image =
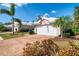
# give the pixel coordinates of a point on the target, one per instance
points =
(49, 48)
(44, 48)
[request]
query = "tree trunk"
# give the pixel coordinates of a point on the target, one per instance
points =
(13, 24)
(61, 32)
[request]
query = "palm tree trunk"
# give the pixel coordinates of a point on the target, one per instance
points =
(61, 32)
(13, 24)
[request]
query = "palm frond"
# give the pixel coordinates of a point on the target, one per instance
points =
(4, 11)
(59, 22)
(12, 9)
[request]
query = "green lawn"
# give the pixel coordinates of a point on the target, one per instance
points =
(10, 35)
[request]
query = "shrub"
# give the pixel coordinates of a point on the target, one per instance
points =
(69, 32)
(49, 48)
(46, 47)
(2, 28)
(24, 30)
(31, 32)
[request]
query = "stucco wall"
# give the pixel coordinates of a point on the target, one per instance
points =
(47, 30)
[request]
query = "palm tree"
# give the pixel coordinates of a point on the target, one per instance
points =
(39, 17)
(68, 22)
(62, 22)
(76, 19)
(10, 12)
(18, 20)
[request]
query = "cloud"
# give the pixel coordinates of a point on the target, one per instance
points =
(20, 4)
(46, 14)
(17, 4)
(53, 11)
(7, 5)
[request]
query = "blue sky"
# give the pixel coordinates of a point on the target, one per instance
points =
(30, 11)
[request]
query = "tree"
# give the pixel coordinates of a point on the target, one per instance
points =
(18, 20)
(10, 12)
(62, 22)
(68, 22)
(2, 28)
(39, 17)
(76, 19)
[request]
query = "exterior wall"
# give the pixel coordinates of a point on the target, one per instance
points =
(16, 29)
(16, 26)
(47, 30)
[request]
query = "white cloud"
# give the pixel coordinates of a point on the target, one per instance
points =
(46, 14)
(53, 11)
(17, 4)
(7, 5)
(20, 4)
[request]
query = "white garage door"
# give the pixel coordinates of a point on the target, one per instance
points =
(47, 30)
(42, 30)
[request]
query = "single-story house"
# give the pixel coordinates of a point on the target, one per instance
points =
(24, 26)
(10, 26)
(44, 26)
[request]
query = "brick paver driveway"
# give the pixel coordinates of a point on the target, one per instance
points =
(14, 47)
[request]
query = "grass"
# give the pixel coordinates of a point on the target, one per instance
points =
(62, 44)
(10, 35)
(65, 43)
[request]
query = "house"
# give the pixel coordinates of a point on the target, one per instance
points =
(10, 26)
(45, 27)
(25, 26)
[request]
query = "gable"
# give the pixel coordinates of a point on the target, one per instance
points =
(43, 22)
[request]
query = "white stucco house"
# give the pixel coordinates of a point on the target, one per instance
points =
(45, 27)
(16, 26)
(25, 25)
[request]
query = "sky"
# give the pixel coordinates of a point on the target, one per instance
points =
(30, 11)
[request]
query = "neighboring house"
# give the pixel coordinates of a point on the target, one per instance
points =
(10, 26)
(27, 25)
(45, 27)
(16, 27)
(24, 26)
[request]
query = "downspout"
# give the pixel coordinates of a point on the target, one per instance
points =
(36, 30)
(47, 28)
